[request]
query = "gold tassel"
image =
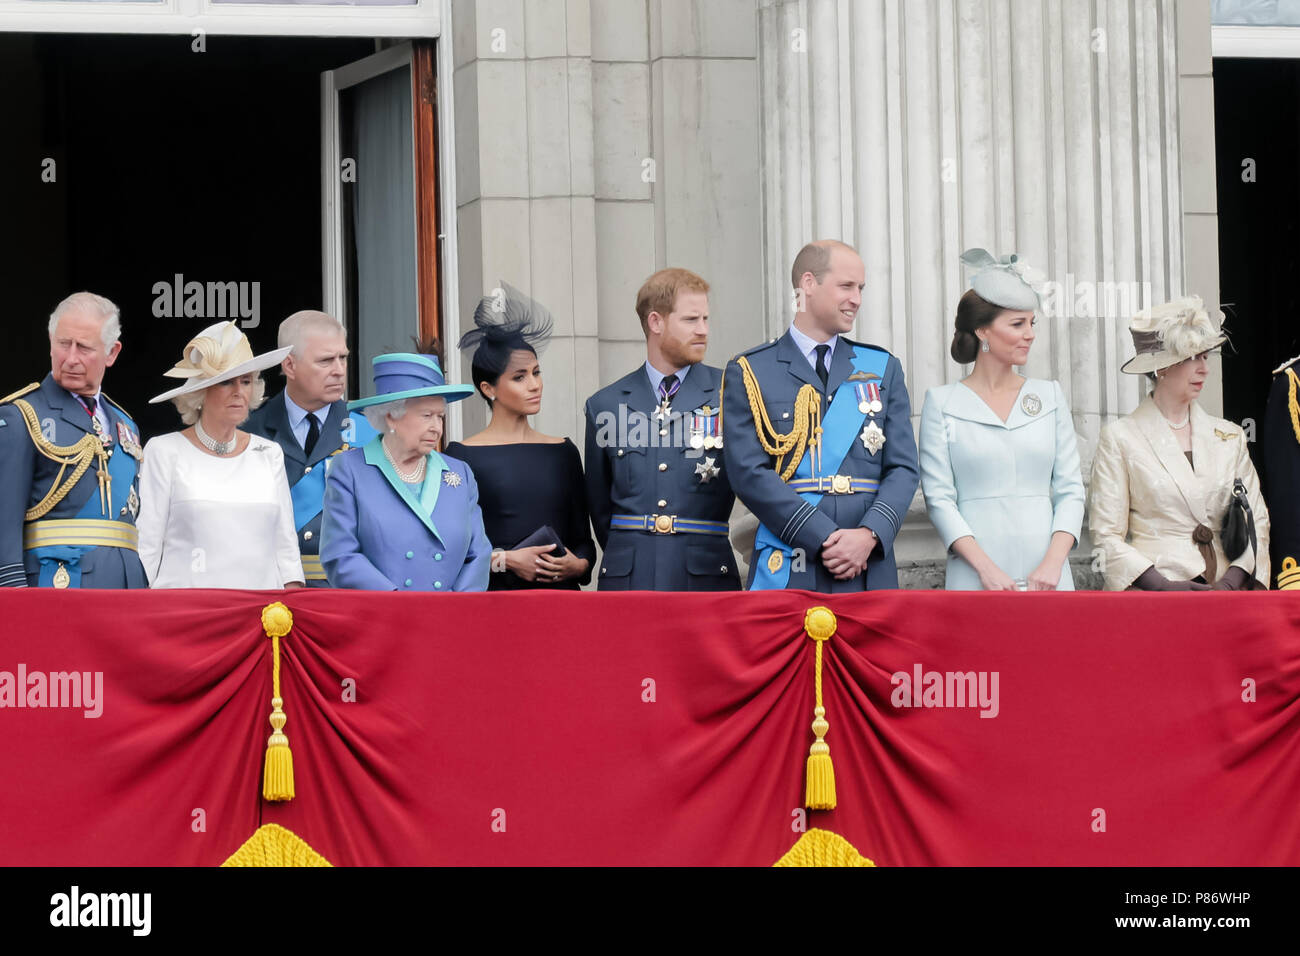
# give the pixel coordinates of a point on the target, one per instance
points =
(277, 772)
(819, 792)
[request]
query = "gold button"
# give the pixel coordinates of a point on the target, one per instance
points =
(663, 466)
(306, 536)
(663, 503)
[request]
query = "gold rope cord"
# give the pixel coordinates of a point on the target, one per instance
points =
(1295, 407)
(805, 430)
(79, 456)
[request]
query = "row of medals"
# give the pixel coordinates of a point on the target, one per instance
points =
(698, 438)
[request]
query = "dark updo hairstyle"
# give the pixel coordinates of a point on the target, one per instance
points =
(504, 322)
(973, 312)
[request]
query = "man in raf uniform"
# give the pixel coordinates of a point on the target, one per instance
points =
(829, 464)
(69, 459)
(656, 486)
(310, 422)
(1281, 448)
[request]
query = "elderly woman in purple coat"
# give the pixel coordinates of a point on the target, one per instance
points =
(399, 516)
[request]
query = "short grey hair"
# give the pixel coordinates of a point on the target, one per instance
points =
(375, 413)
(297, 326)
(108, 314)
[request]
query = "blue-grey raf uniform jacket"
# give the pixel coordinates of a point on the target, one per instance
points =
(27, 476)
(781, 370)
(633, 470)
(339, 433)
(378, 535)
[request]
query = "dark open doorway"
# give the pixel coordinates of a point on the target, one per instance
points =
(1257, 136)
(168, 162)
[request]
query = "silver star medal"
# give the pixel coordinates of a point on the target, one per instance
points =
(133, 503)
(707, 470)
(872, 437)
(451, 479)
(1032, 404)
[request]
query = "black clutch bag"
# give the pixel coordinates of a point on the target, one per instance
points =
(543, 535)
(1238, 531)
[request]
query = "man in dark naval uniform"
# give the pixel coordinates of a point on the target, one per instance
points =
(1281, 452)
(819, 440)
(310, 422)
(656, 486)
(69, 459)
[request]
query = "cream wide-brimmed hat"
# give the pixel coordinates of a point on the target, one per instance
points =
(217, 354)
(1167, 334)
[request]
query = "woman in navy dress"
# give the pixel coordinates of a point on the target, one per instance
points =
(528, 482)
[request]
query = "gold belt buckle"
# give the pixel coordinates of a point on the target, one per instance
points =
(841, 485)
(664, 524)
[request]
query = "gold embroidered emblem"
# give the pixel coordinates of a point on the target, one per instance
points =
(775, 561)
(62, 578)
(1225, 436)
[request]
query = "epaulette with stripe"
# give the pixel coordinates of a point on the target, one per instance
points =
(1286, 365)
(116, 405)
(20, 393)
(757, 348)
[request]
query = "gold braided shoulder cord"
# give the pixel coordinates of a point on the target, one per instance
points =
(78, 457)
(1295, 407)
(806, 429)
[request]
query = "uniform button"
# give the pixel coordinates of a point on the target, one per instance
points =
(603, 570)
(663, 432)
(307, 470)
(407, 582)
(306, 536)
(123, 511)
(724, 569)
(785, 414)
(409, 555)
(437, 585)
(620, 453)
(662, 503)
(438, 556)
(663, 466)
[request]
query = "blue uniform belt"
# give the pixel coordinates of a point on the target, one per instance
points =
(80, 532)
(834, 485)
(666, 524)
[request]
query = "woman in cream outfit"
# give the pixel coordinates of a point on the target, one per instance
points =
(1163, 476)
(999, 457)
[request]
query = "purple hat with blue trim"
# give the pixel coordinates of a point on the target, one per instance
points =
(408, 375)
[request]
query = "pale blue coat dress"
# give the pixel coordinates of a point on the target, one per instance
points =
(1011, 485)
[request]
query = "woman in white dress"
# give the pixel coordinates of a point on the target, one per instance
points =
(215, 510)
(998, 454)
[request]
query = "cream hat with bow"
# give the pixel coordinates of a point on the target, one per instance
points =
(217, 354)
(1167, 334)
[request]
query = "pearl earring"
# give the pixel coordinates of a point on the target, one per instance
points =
(984, 347)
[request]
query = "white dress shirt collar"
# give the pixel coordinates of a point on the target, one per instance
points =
(808, 347)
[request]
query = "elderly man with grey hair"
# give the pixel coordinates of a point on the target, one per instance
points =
(310, 422)
(69, 461)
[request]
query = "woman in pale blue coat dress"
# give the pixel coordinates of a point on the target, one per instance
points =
(998, 454)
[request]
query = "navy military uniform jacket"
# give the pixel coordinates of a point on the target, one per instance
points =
(27, 476)
(781, 370)
(1281, 452)
(634, 470)
(339, 433)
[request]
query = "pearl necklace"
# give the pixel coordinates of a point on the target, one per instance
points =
(211, 444)
(1182, 424)
(409, 477)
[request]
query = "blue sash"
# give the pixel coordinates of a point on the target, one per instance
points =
(840, 428)
(308, 492)
(122, 469)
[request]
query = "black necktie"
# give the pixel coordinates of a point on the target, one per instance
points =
(823, 372)
(313, 433)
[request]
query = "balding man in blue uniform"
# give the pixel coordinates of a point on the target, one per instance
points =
(69, 460)
(829, 465)
(310, 422)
